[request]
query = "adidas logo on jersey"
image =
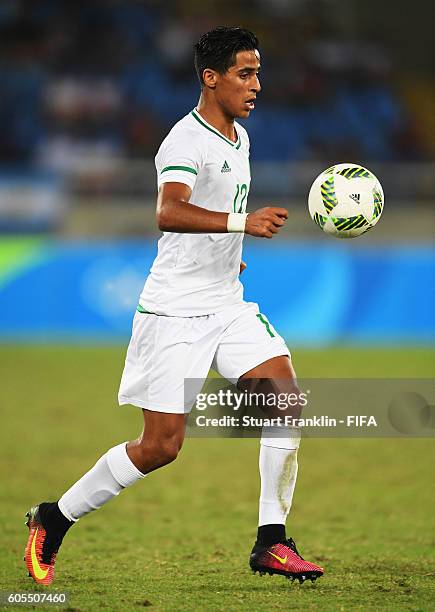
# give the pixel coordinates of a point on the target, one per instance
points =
(355, 197)
(225, 167)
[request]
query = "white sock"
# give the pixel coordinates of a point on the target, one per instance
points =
(113, 472)
(278, 473)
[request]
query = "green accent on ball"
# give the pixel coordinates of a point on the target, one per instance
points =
(348, 223)
(328, 194)
(320, 220)
(329, 170)
(378, 203)
(355, 172)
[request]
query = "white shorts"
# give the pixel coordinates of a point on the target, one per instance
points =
(165, 351)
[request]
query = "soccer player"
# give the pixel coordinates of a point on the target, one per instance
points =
(191, 315)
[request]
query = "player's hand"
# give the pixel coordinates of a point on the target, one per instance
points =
(265, 222)
(242, 266)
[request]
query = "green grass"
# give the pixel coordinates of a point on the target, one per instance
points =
(180, 539)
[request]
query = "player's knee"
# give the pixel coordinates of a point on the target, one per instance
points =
(276, 397)
(161, 450)
(169, 449)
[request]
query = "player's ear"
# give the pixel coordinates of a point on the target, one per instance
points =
(209, 77)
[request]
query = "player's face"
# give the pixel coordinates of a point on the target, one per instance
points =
(237, 89)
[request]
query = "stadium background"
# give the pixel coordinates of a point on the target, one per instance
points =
(88, 91)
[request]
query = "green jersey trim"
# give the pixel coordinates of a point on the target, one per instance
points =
(208, 127)
(142, 310)
(185, 168)
(266, 324)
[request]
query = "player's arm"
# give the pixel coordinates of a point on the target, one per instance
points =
(175, 213)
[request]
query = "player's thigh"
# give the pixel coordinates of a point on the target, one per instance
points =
(167, 360)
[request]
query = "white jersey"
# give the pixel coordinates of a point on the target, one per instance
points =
(198, 274)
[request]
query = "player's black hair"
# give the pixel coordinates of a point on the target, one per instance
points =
(218, 48)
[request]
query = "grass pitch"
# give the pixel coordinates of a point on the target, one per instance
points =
(180, 539)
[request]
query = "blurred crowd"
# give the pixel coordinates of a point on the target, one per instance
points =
(106, 78)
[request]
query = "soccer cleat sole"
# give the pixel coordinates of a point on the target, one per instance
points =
(302, 576)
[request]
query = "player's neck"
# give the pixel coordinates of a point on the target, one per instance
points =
(214, 115)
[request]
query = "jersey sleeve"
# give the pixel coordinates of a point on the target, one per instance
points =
(180, 158)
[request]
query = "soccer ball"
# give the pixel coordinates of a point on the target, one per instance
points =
(346, 200)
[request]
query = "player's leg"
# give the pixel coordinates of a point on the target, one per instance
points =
(160, 441)
(273, 552)
(252, 352)
(124, 464)
(162, 353)
(278, 449)
(117, 469)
